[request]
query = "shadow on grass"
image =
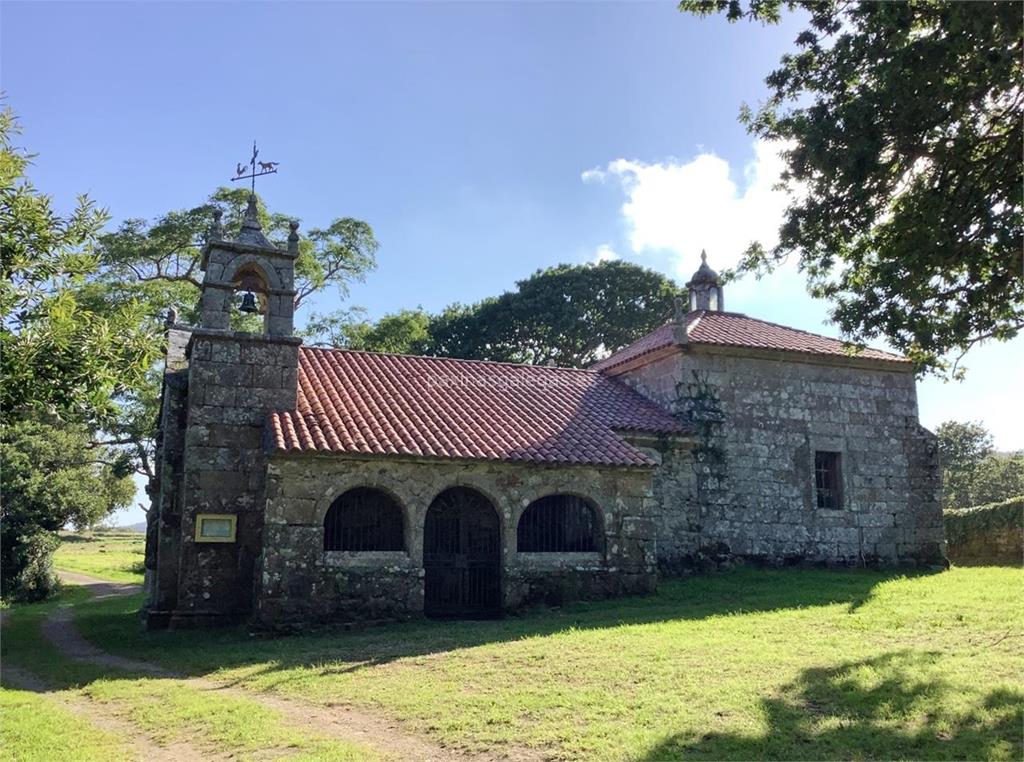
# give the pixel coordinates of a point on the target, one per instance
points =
(114, 625)
(894, 706)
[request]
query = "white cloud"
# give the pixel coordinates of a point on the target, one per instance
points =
(678, 208)
(684, 207)
(604, 253)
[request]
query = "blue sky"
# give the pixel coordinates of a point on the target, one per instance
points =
(481, 141)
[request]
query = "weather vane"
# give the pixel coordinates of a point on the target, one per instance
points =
(266, 168)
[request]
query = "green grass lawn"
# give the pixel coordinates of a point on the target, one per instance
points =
(104, 554)
(36, 729)
(745, 665)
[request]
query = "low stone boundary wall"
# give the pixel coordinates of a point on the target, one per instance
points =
(987, 533)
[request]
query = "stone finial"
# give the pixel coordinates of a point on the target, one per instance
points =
(679, 334)
(252, 231)
(216, 232)
(171, 317)
(293, 237)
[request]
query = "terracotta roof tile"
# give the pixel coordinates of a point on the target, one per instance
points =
(382, 404)
(735, 329)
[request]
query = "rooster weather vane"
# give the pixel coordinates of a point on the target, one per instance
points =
(265, 168)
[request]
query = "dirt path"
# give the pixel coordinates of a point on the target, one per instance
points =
(99, 588)
(340, 722)
(145, 749)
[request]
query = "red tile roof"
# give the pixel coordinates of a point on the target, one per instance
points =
(657, 339)
(383, 404)
(735, 329)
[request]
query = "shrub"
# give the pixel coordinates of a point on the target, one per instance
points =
(29, 574)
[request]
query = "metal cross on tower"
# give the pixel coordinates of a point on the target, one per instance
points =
(266, 168)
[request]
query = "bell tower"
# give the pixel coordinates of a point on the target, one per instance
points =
(705, 288)
(210, 531)
(250, 275)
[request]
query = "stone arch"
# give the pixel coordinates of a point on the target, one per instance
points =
(498, 501)
(561, 522)
(242, 262)
(365, 519)
(462, 554)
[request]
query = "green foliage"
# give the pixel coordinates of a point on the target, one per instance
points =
(703, 409)
(59, 351)
(159, 261)
(972, 472)
(52, 476)
(993, 532)
(903, 124)
(569, 314)
(999, 476)
(157, 264)
(402, 332)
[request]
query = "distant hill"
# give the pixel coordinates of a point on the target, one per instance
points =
(138, 527)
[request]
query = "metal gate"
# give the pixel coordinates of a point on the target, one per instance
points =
(462, 556)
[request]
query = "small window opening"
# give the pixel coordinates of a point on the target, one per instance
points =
(559, 524)
(362, 520)
(827, 480)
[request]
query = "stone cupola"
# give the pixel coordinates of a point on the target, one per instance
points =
(705, 288)
(249, 271)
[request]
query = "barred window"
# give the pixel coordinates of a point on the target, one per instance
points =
(560, 524)
(827, 481)
(364, 519)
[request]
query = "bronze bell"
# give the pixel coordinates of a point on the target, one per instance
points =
(249, 303)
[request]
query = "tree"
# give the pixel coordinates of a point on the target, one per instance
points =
(59, 352)
(81, 333)
(52, 476)
(402, 332)
(569, 314)
(157, 264)
(997, 477)
(64, 365)
(160, 261)
(973, 472)
(904, 124)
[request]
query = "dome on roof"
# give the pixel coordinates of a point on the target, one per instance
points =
(704, 274)
(705, 288)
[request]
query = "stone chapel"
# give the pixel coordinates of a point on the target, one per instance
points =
(298, 484)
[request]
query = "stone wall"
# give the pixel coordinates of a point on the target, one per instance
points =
(163, 522)
(987, 534)
(234, 379)
(300, 581)
(760, 417)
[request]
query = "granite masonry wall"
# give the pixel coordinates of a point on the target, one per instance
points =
(760, 417)
(299, 581)
(163, 522)
(234, 379)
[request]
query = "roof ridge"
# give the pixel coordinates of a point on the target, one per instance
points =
(450, 359)
(809, 333)
(693, 323)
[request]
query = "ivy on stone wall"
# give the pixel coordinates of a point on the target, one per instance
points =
(702, 407)
(993, 532)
